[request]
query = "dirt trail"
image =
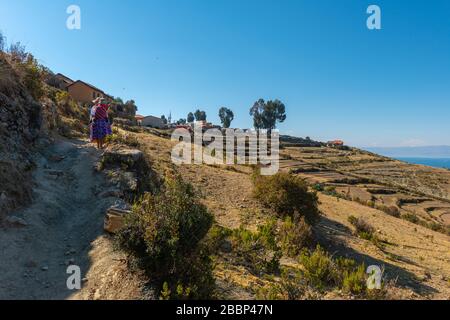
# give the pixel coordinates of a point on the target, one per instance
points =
(64, 219)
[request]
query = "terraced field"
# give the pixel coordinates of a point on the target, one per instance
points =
(418, 193)
(349, 183)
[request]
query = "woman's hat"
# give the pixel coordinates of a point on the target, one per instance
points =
(98, 100)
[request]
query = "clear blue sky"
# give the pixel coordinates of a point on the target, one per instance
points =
(337, 78)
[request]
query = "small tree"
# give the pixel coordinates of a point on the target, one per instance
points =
(163, 118)
(267, 114)
(190, 117)
(17, 52)
(131, 104)
(181, 121)
(226, 117)
(118, 100)
(200, 115)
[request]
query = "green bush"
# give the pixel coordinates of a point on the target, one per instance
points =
(295, 236)
(164, 234)
(355, 281)
(353, 276)
(258, 250)
(216, 238)
(322, 271)
(318, 187)
(319, 268)
(287, 195)
(411, 218)
(371, 203)
(291, 286)
(32, 78)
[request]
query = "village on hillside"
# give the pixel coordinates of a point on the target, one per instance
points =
(84, 93)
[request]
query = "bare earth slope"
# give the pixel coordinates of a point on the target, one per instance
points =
(66, 216)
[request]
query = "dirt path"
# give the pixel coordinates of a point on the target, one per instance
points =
(64, 219)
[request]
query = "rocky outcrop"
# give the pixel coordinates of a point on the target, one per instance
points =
(129, 171)
(131, 175)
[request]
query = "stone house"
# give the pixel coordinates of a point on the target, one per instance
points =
(154, 122)
(84, 92)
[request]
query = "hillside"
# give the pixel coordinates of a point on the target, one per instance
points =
(350, 184)
(56, 189)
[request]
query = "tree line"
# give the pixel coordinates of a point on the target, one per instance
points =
(266, 115)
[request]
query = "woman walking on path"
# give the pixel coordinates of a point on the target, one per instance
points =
(100, 127)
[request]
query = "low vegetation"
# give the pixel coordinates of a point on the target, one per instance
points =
(287, 195)
(295, 236)
(118, 137)
(319, 273)
(164, 237)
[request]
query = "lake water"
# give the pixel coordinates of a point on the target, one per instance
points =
(432, 162)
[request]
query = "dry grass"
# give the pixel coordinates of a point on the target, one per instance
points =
(411, 252)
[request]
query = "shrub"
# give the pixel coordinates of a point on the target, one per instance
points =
(391, 210)
(318, 187)
(411, 218)
(287, 195)
(365, 231)
(330, 191)
(62, 97)
(164, 235)
(353, 276)
(361, 226)
(319, 268)
(322, 271)
(18, 52)
(355, 281)
(291, 286)
(371, 203)
(257, 250)
(33, 80)
(217, 237)
(295, 236)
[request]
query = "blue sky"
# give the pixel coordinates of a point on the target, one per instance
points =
(337, 78)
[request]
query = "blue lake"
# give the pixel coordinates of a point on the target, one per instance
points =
(432, 162)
